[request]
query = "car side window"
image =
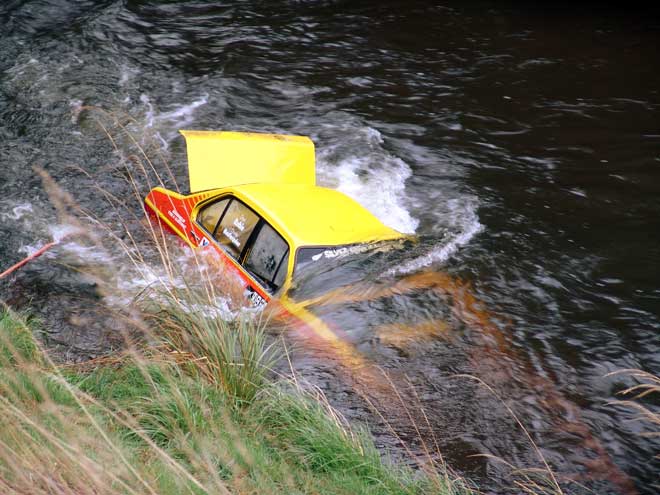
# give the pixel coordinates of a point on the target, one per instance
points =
(268, 257)
(249, 239)
(209, 216)
(235, 227)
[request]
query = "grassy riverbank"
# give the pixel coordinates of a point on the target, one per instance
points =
(195, 411)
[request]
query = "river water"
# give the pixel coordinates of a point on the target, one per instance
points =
(521, 144)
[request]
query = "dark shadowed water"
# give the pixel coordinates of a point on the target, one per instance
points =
(522, 144)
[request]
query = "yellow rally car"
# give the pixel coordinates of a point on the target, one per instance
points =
(254, 200)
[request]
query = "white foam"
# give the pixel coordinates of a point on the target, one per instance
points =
(167, 124)
(137, 280)
(126, 74)
(219, 307)
(149, 113)
(192, 276)
(17, 212)
(184, 114)
(368, 174)
(466, 225)
(379, 193)
(86, 254)
(59, 232)
(76, 107)
(31, 222)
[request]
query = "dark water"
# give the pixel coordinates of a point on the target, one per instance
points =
(521, 144)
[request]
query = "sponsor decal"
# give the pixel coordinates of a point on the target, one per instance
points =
(342, 251)
(203, 242)
(254, 297)
(240, 223)
(230, 235)
(177, 218)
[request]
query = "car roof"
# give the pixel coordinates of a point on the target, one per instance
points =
(311, 215)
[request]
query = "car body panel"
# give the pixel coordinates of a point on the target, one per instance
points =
(221, 159)
(310, 215)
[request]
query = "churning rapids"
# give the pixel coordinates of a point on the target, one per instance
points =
(522, 145)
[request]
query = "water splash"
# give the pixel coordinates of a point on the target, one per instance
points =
(17, 212)
(356, 163)
(462, 214)
(166, 124)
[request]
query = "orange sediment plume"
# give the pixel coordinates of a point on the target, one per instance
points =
(494, 347)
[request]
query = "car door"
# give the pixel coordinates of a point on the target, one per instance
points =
(249, 244)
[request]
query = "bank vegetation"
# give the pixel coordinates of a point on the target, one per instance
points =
(193, 409)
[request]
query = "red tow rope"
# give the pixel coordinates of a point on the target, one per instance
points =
(34, 255)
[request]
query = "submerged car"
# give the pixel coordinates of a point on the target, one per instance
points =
(255, 201)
